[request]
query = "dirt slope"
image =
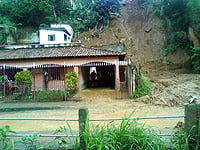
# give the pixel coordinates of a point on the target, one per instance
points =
(140, 31)
(137, 28)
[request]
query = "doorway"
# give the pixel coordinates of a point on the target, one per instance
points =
(98, 76)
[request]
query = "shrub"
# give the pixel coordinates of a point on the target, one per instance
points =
(31, 142)
(23, 76)
(4, 140)
(71, 80)
(196, 58)
(1, 79)
(50, 95)
(144, 88)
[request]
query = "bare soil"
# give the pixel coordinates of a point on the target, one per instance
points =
(100, 103)
(170, 92)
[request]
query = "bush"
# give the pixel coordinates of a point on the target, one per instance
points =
(23, 76)
(144, 88)
(71, 80)
(50, 95)
(196, 58)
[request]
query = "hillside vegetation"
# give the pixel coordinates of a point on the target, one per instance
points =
(81, 14)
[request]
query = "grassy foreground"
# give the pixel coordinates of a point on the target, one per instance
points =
(126, 135)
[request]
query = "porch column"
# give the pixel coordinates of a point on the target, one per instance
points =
(78, 72)
(117, 79)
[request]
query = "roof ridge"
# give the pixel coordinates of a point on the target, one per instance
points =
(102, 49)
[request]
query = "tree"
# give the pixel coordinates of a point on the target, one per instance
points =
(81, 14)
(27, 12)
(193, 9)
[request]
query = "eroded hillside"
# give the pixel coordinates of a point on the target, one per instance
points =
(140, 31)
(137, 28)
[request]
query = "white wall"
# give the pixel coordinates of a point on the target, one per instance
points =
(66, 26)
(59, 37)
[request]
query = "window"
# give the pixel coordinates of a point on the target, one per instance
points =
(55, 73)
(51, 37)
(65, 37)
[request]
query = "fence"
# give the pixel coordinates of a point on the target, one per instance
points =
(49, 81)
(46, 80)
(191, 122)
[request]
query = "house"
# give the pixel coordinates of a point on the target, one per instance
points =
(78, 58)
(56, 34)
(50, 63)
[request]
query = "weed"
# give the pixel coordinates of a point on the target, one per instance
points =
(142, 89)
(127, 135)
(63, 143)
(4, 140)
(44, 95)
(31, 142)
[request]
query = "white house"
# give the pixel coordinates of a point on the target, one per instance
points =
(56, 34)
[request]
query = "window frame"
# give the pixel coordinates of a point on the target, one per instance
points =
(51, 37)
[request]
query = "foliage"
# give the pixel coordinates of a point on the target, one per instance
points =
(4, 140)
(47, 95)
(32, 12)
(177, 16)
(2, 37)
(175, 10)
(31, 142)
(50, 95)
(196, 58)
(127, 135)
(1, 79)
(81, 14)
(23, 76)
(71, 80)
(193, 9)
(175, 24)
(144, 88)
(61, 142)
(181, 142)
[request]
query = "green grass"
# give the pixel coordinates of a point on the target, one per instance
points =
(1, 95)
(127, 135)
(48, 95)
(143, 89)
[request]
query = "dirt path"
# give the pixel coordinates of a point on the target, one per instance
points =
(170, 91)
(99, 107)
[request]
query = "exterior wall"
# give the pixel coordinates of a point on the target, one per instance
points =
(56, 85)
(68, 62)
(85, 72)
(67, 27)
(59, 37)
(38, 81)
(52, 84)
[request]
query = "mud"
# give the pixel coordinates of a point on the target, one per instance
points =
(101, 104)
